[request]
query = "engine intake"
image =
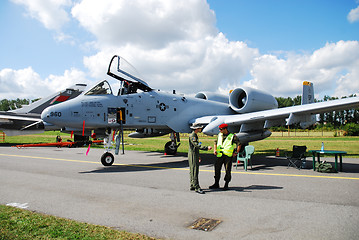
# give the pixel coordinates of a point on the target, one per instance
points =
(212, 96)
(244, 100)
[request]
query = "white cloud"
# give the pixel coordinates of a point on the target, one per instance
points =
(353, 15)
(184, 65)
(147, 24)
(50, 13)
(18, 83)
(62, 37)
(26, 83)
(69, 78)
(175, 45)
(335, 55)
(348, 84)
(335, 67)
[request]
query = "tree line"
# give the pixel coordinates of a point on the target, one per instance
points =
(334, 118)
(7, 105)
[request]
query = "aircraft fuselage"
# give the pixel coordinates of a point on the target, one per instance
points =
(153, 109)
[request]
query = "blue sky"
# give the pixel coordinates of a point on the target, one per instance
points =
(282, 25)
(188, 46)
(27, 42)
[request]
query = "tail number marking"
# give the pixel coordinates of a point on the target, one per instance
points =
(55, 114)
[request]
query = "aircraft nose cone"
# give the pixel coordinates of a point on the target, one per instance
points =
(45, 115)
(212, 128)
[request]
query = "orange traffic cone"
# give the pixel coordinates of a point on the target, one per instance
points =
(277, 152)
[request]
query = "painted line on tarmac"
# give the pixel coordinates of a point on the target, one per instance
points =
(47, 158)
(183, 169)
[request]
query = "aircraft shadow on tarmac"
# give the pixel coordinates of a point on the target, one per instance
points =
(171, 163)
(259, 162)
(140, 167)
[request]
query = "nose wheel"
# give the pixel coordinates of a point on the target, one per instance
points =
(171, 148)
(107, 159)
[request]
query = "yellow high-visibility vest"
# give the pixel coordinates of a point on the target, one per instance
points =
(225, 147)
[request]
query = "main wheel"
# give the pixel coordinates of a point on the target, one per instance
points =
(171, 148)
(107, 159)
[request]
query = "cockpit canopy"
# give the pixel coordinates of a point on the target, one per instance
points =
(129, 83)
(102, 88)
(121, 70)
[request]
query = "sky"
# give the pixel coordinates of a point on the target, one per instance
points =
(189, 46)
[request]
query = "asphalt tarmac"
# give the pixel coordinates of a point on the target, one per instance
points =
(148, 192)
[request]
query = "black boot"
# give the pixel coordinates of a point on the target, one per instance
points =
(215, 185)
(226, 186)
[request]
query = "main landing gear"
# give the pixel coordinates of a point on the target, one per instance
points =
(172, 146)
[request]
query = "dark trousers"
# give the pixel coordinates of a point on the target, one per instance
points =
(227, 162)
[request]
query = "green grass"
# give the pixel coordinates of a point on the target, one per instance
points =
(23, 224)
(347, 144)
(268, 146)
(264, 147)
(48, 136)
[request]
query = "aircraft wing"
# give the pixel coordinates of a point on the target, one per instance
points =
(14, 124)
(4, 117)
(265, 119)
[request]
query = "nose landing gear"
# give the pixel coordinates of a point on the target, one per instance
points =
(107, 159)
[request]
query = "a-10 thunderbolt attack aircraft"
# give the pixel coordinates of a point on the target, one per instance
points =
(248, 112)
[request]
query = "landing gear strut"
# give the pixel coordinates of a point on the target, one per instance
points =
(172, 146)
(107, 159)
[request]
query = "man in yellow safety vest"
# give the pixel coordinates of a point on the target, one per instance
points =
(226, 147)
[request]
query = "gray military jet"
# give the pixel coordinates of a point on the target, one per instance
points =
(27, 119)
(149, 112)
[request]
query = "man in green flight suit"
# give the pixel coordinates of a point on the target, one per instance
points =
(193, 157)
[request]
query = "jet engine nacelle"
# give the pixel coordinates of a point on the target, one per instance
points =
(245, 100)
(147, 132)
(212, 96)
